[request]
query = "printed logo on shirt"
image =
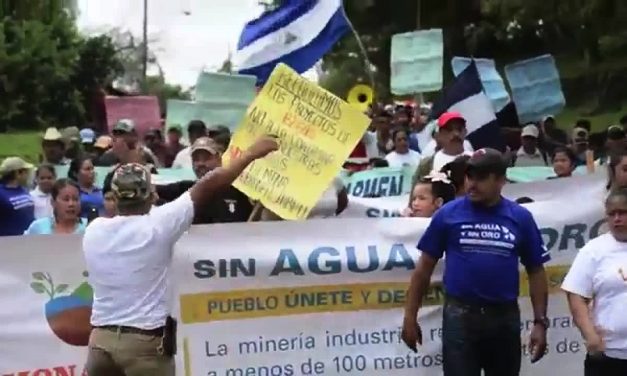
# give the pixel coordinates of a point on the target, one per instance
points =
(21, 201)
(68, 313)
(231, 205)
(489, 238)
(622, 274)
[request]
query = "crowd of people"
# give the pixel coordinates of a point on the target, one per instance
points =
(453, 184)
(398, 136)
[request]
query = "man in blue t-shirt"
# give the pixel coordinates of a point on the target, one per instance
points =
(17, 209)
(483, 236)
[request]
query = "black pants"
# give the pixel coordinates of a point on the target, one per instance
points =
(601, 365)
(480, 337)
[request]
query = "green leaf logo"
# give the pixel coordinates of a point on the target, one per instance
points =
(61, 289)
(38, 287)
(39, 276)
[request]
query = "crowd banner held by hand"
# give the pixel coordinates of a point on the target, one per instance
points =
(536, 88)
(588, 185)
(379, 182)
(491, 80)
(311, 294)
(230, 88)
(416, 62)
(143, 110)
(316, 131)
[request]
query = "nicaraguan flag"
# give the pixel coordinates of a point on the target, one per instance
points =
(298, 34)
(466, 96)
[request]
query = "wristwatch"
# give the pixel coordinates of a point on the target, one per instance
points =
(544, 321)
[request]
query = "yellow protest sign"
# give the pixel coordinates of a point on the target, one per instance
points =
(316, 130)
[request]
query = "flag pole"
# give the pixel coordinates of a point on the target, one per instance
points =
(362, 49)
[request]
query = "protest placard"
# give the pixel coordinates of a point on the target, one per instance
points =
(492, 82)
(316, 131)
(143, 110)
(226, 88)
(416, 62)
(182, 112)
(536, 88)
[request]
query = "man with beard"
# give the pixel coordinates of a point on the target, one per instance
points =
(230, 205)
(450, 137)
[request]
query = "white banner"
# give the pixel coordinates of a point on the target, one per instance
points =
(321, 297)
(579, 187)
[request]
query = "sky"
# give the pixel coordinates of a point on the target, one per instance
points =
(184, 44)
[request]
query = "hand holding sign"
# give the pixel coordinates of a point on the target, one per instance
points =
(263, 146)
(316, 130)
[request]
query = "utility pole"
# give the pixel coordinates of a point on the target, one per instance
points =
(420, 97)
(145, 45)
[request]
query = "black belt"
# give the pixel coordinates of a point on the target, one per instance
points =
(157, 332)
(482, 306)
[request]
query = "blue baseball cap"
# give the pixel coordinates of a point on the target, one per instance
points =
(88, 136)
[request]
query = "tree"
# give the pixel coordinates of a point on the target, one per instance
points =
(227, 65)
(48, 71)
(156, 85)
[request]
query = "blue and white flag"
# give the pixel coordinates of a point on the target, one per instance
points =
(466, 96)
(298, 34)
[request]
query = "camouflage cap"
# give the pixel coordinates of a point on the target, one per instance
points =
(131, 182)
(124, 126)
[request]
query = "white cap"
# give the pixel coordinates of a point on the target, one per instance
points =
(530, 131)
(53, 134)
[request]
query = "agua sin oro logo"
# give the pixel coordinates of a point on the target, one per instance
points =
(67, 313)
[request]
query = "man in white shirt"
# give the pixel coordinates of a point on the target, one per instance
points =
(529, 155)
(128, 258)
(195, 130)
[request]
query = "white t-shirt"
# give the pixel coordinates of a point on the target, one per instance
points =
(183, 159)
(440, 159)
(599, 272)
(128, 259)
(411, 158)
(43, 203)
(429, 150)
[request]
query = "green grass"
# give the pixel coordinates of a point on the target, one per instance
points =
(567, 118)
(26, 145)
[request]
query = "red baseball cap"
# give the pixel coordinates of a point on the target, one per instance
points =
(448, 116)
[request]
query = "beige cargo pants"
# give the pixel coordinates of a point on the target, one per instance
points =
(126, 354)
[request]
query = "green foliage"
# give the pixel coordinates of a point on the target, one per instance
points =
(506, 30)
(49, 73)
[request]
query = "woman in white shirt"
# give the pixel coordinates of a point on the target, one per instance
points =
(402, 155)
(45, 176)
(596, 286)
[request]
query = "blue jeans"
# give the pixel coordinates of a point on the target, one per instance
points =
(481, 337)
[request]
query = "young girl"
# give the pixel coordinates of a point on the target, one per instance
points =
(110, 205)
(564, 162)
(66, 207)
(45, 176)
(429, 194)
